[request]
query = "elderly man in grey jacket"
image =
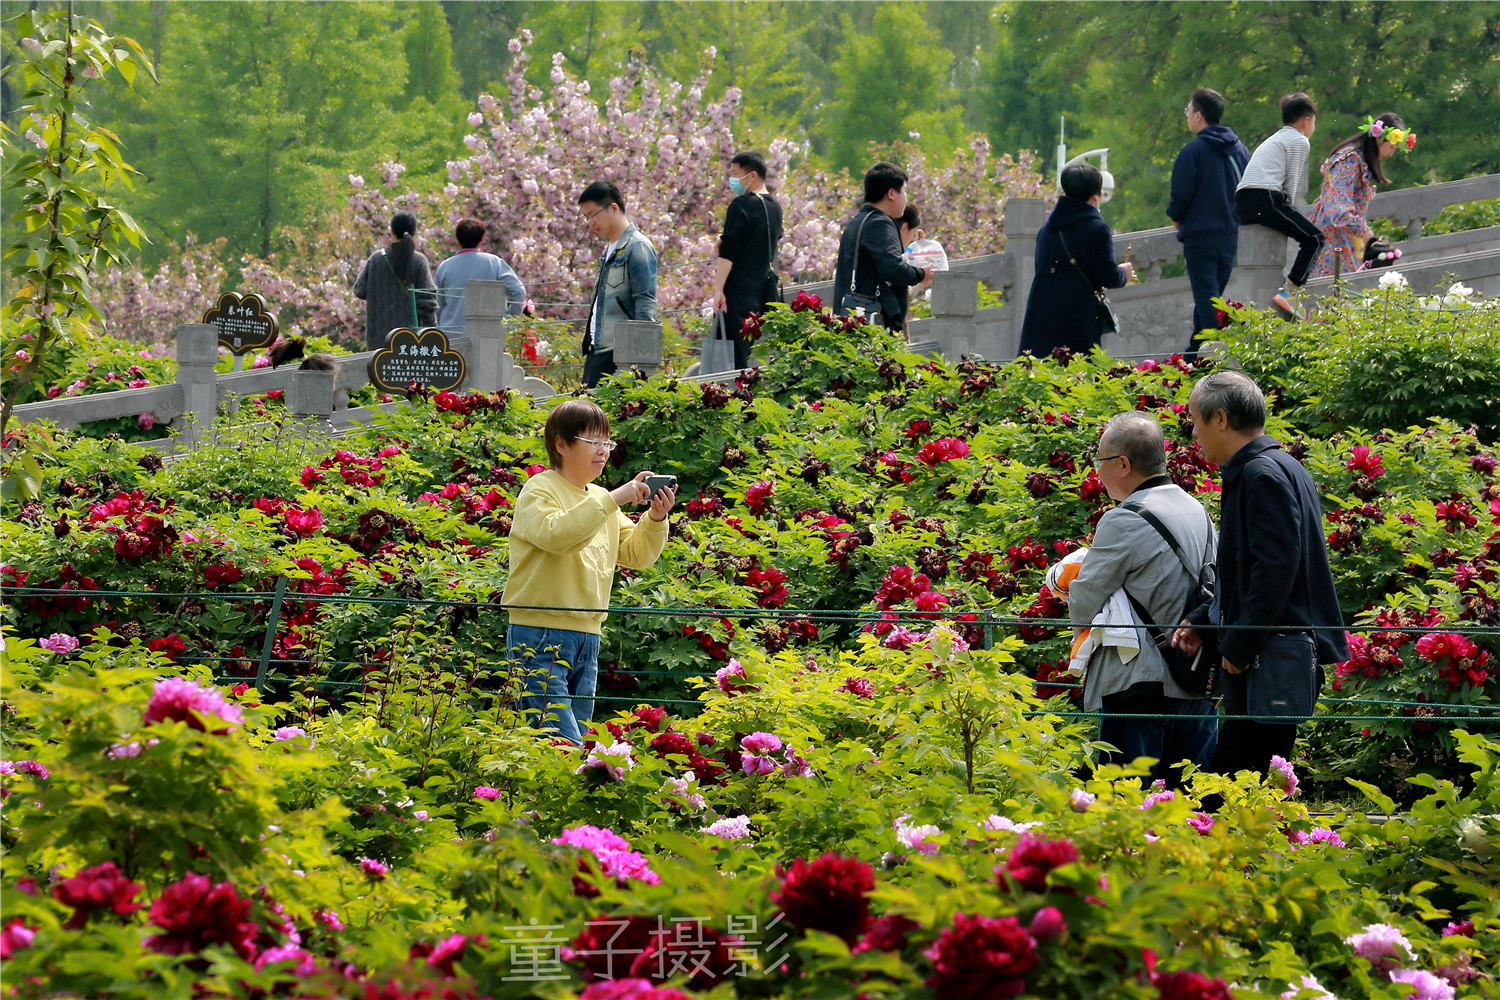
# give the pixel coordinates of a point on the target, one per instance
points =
(1129, 552)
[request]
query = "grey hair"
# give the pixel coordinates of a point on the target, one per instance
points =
(1236, 394)
(1139, 438)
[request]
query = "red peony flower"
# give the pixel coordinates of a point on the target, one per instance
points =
(830, 894)
(171, 645)
(708, 954)
(607, 946)
(981, 958)
(303, 522)
(1363, 460)
(1033, 857)
(770, 585)
(195, 914)
(1189, 986)
(806, 303)
(887, 933)
(859, 687)
(758, 496)
(221, 573)
(97, 888)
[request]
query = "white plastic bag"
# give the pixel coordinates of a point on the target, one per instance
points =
(927, 253)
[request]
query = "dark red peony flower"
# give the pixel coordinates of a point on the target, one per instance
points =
(1189, 986)
(981, 958)
(769, 585)
(829, 894)
(221, 573)
(98, 888)
(806, 303)
(304, 523)
(1033, 857)
(607, 946)
(758, 495)
(707, 954)
(673, 742)
(859, 687)
(195, 914)
(887, 933)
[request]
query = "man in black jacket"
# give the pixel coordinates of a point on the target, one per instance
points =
(1075, 254)
(744, 274)
(871, 267)
(1204, 177)
(1276, 597)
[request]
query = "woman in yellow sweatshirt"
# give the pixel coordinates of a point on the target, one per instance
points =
(566, 538)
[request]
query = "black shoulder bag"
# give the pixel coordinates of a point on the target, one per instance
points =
(1191, 673)
(1104, 312)
(771, 288)
(852, 299)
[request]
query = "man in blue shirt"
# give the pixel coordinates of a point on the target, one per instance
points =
(470, 264)
(1204, 178)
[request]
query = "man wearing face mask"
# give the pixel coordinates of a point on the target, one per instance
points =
(745, 273)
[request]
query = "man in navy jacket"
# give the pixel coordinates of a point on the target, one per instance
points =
(1274, 579)
(1204, 177)
(1061, 310)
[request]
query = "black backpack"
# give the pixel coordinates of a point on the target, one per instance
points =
(1191, 673)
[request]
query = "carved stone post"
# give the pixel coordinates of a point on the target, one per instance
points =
(197, 352)
(1023, 220)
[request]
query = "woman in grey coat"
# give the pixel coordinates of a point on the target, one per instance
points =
(387, 281)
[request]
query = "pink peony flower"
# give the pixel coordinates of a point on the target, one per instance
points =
(1288, 776)
(1081, 800)
(1381, 945)
(146, 420)
(60, 643)
(177, 699)
(1425, 985)
(14, 937)
(306, 963)
(1202, 822)
(729, 828)
(1156, 798)
(1048, 924)
(915, 837)
(1317, 835)
(374, 869)
(753, 764)
(761, 743)
(614, 760)
(1301, 989)
(486, 792)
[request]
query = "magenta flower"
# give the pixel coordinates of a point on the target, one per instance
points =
(1317, 835)
(288, 733)
(756, 765)
(374, 869)
(1381, 945)
(1288, 776)
(726, 674)
(60, 643)
(1425, 985)
(1156, 798)
(1202, 822)
(614, 760)
(1048, 924)
(761, 743)
(146, 420)
(486, 792)
(180, 700)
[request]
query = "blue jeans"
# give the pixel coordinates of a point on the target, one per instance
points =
(560, 668)
(1191, 734)
(1208, 269)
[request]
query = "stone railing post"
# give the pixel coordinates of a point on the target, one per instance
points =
(490, 367)
(197, 353)
(1023, 220)
(955, 300)
(309, 398)
(1260, 266)
(639, 344)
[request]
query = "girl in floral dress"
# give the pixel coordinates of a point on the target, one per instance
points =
(1349, 177)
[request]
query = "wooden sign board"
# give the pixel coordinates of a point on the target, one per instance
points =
(423, 358)
(244, 324)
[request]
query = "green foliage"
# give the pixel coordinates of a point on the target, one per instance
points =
(1387, 359)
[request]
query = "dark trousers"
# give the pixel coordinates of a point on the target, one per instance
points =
(1208, 269)
(596, 365)
(1190, 732)
(1262, 207)
(1245, 745)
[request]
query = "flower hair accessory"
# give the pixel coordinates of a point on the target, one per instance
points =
(1401, 138)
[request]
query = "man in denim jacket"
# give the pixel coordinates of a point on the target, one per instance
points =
(626, 286)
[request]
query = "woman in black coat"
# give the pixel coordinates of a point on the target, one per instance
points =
(394, 280)
(1060, 311)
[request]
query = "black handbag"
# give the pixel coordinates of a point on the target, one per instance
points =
(1104, 311)
(1281, 685)
(853, 299)
(1191, 673)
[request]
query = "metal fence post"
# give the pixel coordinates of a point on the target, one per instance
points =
(265, 648)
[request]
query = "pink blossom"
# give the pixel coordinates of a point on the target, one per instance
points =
(306, 963)
(1003, 824)
(729, 828)
(680, 794)
(331, 919)
(139, 383)
(1081, 800)
(1287, 776)
(420, 815)
(30, 767)
(1317, 835)
(1379, 942)
(1308, 982)
(1202, 822)
(612, 851)
(1155, 798)
(60, 643)
(796, 766)
(724, 674)
(36, 140)
(755, 765)
(261, 361)
(761, 743)
(180, 700)
(475, 119)
(23, 357)
(286, 733)
(614, 760)
(374, 869)
(32, 44)
(146, 420)
(1426, 986)
(915, 838)
(486, 792)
